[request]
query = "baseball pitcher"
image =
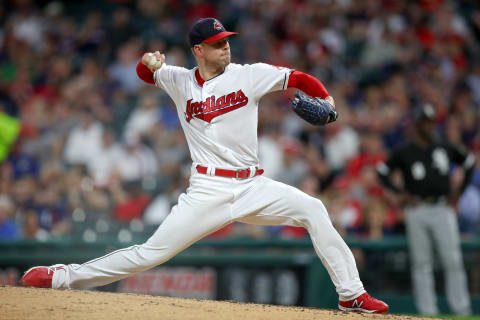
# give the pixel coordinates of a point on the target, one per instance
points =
(217, 104)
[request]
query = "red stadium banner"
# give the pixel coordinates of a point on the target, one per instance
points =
(175, 282)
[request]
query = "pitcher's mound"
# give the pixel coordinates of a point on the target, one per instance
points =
(48, 304)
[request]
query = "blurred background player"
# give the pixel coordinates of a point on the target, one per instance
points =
(429, 198)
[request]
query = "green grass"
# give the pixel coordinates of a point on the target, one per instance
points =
(443, 316)
(449, 316)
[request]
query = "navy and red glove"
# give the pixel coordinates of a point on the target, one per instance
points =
(316, 111)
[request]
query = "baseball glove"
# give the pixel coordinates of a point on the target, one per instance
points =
(316, 111)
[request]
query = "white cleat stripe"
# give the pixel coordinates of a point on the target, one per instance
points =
(356, 309)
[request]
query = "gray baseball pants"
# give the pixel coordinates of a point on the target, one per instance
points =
(429, 224)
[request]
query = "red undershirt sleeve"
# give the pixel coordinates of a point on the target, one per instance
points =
(144, 73)
(308, 84)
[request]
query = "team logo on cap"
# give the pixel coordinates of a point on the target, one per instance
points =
(217, 25)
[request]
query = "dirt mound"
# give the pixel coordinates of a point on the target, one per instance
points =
(49, 304)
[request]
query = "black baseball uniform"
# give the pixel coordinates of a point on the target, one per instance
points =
(426, 175)
(426, 170)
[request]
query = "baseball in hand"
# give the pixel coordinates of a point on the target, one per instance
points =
(151, 61)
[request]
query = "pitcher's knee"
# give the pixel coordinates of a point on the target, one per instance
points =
(317, 217)
(153, 255)
(320, 227)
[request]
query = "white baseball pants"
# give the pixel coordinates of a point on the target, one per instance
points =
(210, 203)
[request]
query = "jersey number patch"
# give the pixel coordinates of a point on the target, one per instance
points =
(418, 171)
(440, 161)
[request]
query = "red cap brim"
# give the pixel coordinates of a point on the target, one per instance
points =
(219, 36)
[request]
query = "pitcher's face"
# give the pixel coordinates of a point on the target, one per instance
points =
(217, 53)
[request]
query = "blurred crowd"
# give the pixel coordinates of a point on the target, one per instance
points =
(97, 151)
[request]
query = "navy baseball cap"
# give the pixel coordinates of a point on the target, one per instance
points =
(207, 30)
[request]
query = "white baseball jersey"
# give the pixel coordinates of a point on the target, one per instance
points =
(220, 118)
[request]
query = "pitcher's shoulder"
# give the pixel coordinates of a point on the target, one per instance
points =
(236, 66)
(242, 67)
(258, 66)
